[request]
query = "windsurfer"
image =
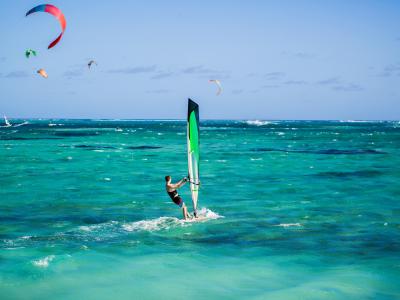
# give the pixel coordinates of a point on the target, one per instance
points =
(173, 193)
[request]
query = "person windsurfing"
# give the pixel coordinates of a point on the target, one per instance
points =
(6, 122)
(173, 194)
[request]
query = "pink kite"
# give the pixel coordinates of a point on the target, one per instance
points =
(51, 9)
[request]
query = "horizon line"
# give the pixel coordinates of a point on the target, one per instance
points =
(206, 119)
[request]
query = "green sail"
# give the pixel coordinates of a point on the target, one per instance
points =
(193, 143)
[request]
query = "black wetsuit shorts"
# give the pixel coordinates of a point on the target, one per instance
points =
(176, 198)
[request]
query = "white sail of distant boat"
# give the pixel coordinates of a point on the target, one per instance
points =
(8, 124)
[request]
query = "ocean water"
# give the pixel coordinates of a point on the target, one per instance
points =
(295, 210)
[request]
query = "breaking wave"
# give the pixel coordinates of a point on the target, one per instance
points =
(257, 122)
(44, 262)
(285, 225)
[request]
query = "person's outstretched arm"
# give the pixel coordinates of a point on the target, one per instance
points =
(178, 184)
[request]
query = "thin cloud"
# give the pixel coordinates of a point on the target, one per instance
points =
(274, 75)
(295, 82)
(330, 81)
(348, 87)
(16, 74)
(206, 72)
(134, 70)
(199, 70)
(161, 75)
(337, 84)
(390, 70)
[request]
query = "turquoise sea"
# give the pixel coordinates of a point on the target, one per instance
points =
(296, 210)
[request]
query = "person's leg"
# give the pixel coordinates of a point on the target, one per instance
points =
(184, 212)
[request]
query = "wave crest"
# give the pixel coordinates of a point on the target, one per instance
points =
(153, 225)
(257, 122)
(44, 262)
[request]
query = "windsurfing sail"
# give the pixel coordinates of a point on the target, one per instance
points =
(193, 143)
(8, 124)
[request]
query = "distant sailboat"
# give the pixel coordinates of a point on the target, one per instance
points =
(8, 124)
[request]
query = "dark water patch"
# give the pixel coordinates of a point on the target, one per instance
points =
(28, 139)
(289, 240)
(356, 151)
(76, 134)
(90, 220)
(361, 173)
(143, 147)
(322, 151)
(94, 147)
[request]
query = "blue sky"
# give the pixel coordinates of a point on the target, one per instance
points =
(275, 59)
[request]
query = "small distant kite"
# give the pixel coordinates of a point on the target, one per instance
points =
(42, 73)
(90, 63)
(216, 81)
(30, 52)
(56, 12)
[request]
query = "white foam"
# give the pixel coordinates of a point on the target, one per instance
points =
(208, 213)
(101, 226)
(44, 262)
(163, 223)
(14, 248)
(86, 228)
(153, 225)
(257, 122)
(354, 121)
(289, 225)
